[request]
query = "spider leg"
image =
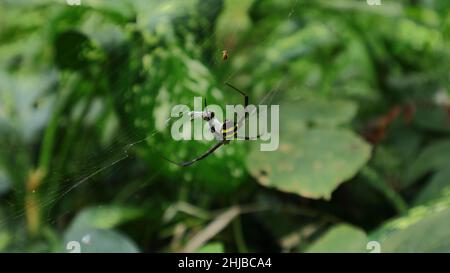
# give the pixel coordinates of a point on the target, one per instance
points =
(243, 94)
(189, 163)
(246, 115)
(238, 125)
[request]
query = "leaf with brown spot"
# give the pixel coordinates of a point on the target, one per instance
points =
(329, 158)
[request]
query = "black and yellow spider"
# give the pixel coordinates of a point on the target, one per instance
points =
(223, 132)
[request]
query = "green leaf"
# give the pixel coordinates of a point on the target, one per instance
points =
(423, 229)
(301, 43)
(91, 229)
(98, 241)
(105, 217)
(438, 187)
(434, 157)
(432, 118)
(324, 112)
(341, 238)
(215, 247)
(311, 164)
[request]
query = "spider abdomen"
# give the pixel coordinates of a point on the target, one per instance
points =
(229, 129)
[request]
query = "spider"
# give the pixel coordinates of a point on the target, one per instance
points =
(223, 131)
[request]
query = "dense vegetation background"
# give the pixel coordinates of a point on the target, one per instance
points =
(365, 126)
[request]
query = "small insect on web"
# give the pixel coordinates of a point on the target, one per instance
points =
(223, 132)
(224, 55)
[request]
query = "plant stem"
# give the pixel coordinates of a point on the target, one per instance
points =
(50, 133)
(67, 144)
(239, 235)
(374, 179)
(46, 151)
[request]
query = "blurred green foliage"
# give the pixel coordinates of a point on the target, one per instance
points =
(363, 90)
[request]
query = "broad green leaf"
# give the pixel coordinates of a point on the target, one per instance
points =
(92, 229)
(215, 247)
(324, 112)
(432, 118)
(98, 241)
(413, 36)
(312, 164)
(423, 229)
(434, 157)
(341, 238)
(104, 217)
(301, 43)
(438, 187)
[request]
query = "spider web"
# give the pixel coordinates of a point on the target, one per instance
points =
(101, 165)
